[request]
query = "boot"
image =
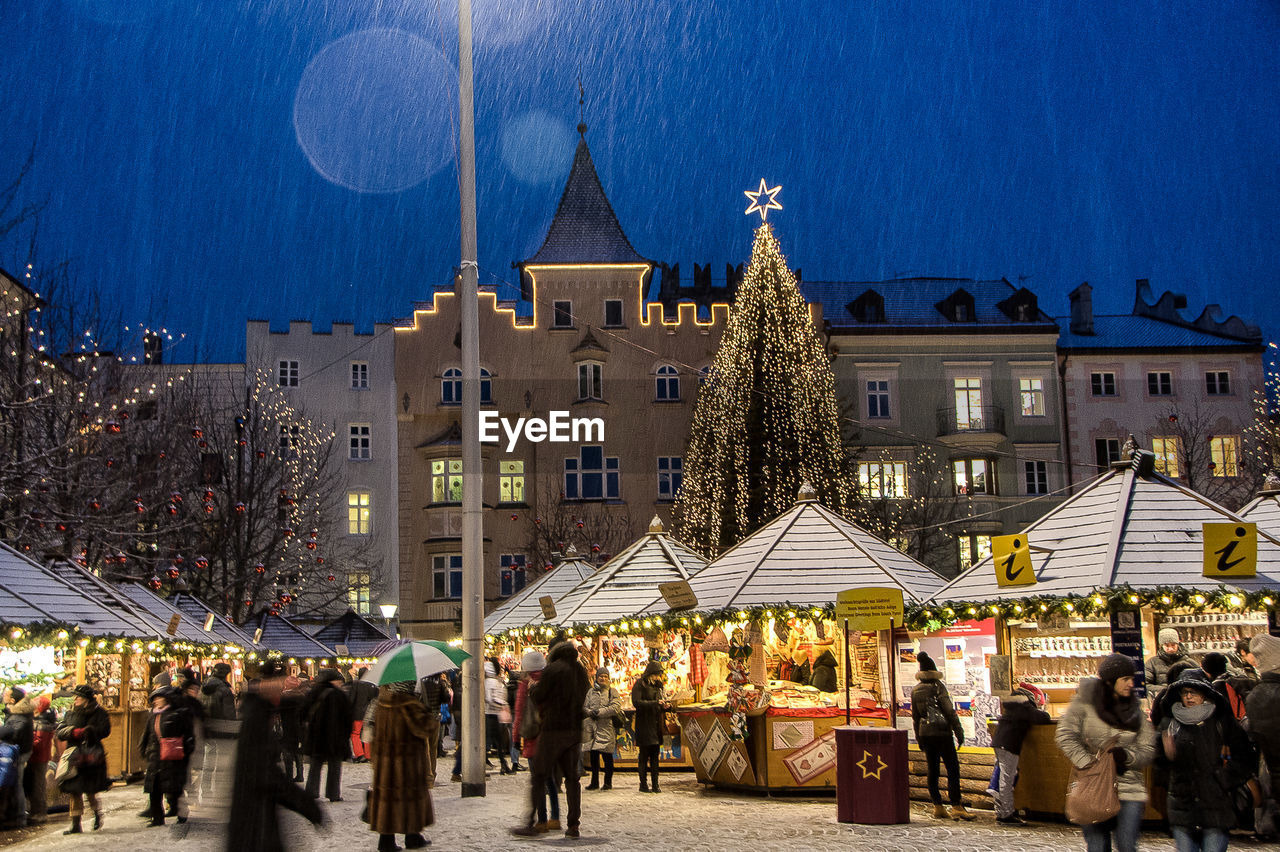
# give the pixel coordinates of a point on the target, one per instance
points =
(654, 783)
(506, 770)
(97, 820)
(958, 812)
(644, 784)
(387, 843)
(940, 811)
(75, 826)
(595, 782)
(416, 841)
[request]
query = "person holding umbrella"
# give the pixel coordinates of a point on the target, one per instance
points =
(400, 797)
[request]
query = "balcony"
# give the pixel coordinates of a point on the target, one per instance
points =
(982, 420)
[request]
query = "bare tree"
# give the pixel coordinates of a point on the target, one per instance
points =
(597, 531)
(1211, 453)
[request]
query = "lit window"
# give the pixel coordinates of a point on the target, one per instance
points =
(968, 404)
(358, 592)
(1224, 455)
(512, 573)
(668, 384)
(973, 476)
(1106, 451)
(1160, 383)
(591, 476)
(612, 313)
(360, 443)
(288, 375)
(562, 314)
(973, 549)
(590, 382)
(878, 480)
(446, 481)
(359, 512)
(1032, 394)
(1102, 384)
(359, 375)
(511, 482)
(878, 398)
(670, 475)
(1037, 477)
(1217, 383)
(1166, 452)
(446, 576)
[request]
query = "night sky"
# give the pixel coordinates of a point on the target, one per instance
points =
(203, 162)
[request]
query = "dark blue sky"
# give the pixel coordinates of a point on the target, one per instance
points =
(207, 161)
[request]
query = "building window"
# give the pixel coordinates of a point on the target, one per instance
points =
(288, 375)
(359, 375)
(451, 387)
(446, 576)
(878, 398)
(973, 476)
(1160, 383)
(968, 403)
(359, 512)
(562, 314)
(446, 480)
(1106, 451)
(360, 449)
(511, 481)
(1037, 477)
(1217, 383)
(973, 549)
(1166, 452)
(612, 313)
(670, 475)
(590, 383)
(1032, 394)
(668, 384)
(1102, 384)
(358, 592)
(512, 574)
(290, 440)
(591, 476)
(878, 480)
(1224, 455)
(704, 376)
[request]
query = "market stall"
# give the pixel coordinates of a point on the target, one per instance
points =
(768, 605)
(1107, 569)
(353, 638)
(520, 614)
(281, 637)
(230, 644)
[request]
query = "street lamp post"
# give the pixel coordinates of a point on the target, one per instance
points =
(388, 613)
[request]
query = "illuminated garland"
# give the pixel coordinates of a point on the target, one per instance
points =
(67, 637)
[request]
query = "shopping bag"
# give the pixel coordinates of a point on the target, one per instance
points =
(1092, 796)
(68, 766)
(530, 722)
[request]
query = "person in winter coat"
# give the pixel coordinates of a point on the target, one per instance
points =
(44, 723)
(1263, 705)
(1231, 683)
(1157, 667)
(328, 735)
(167, 775)
(558, 696)
(649, 698)
(1198, 730)
(800, 671)
(531, 666)
(824, 673)
(937, 728)
(260, 785)
(1018, 713)
(19, 730)
(85, 726)
(400, 797)
(599, 734)
(1104, 708)
(220, 728)
(293, 704)
(495, 709)
(360, 693)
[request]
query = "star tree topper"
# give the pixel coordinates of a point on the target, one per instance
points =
(769, 203)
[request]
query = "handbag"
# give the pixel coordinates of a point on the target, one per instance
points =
(171, 748)
(68, 766)
(1092, 796)
(530, 722)
(504, 715)
(89, 755)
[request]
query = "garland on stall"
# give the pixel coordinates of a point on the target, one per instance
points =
(66, 636)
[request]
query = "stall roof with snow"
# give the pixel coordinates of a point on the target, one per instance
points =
(523, 610)
(353, 632)
(222, 629)
(281, 634)
(30, 593)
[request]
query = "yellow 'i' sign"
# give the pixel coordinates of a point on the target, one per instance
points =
(1011, 556)
(1230, 550)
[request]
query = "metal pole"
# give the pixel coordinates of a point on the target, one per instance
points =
(848, 672)
(893, 677)
(473, 777)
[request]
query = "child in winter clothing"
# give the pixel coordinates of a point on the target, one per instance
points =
(1018, 713)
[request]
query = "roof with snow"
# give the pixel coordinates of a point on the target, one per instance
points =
(108, 595)
(522, 609)
(1130, 331)
(923, 302)
(281, 634)
(189, 629)
(31, 593)
(354, 631)
(1124, 528)
(1264, 510)
(223, 629)
(805, 556)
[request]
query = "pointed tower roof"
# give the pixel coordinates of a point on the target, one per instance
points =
(585, 228)
(523, 610)
(1126, 528)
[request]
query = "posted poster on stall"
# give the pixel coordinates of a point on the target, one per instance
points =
(907, 669)
(954, 653)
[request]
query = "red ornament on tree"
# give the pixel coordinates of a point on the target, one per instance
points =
(138, 507)
(172, 509)
(248, 603)
(208, 508)
(240, 507)
(331, 578)
(202, 563)
(311, 545)
(208, 495)
(155, 583)
(262, 454)
(113, 428)
(288, 532)
(319, 560)
(197, 433)
(260, 568)
(95, 504)
(172, 572)
(175, 497)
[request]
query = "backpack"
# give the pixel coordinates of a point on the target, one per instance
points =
(934, 721)
(8, 765)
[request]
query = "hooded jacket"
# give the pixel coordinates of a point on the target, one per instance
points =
(495, 690)
(824, 673)
(561, 690)
(19, 725)
(931, 691)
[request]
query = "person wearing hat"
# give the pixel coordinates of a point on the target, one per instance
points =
(1105, 709)
(532, 665)
(1208, 755)
(85, 726)
(1018, 713)
(328, 733)
(1263, 706)
(166, 774)
(935, 722)
(599, 734)
(1157, 666)
(649, 698)
(260, 784)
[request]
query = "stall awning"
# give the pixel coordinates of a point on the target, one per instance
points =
(30, 593)
(523, 610)
(1126, 528)
(354, 632)
(113, 597)
(282, 635)
(805, 556)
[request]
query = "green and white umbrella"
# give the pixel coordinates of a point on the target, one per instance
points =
(414, 661)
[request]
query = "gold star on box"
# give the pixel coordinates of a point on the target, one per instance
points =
(867, 771)
(769, 203)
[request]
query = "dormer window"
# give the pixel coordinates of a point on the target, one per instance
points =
(958, 307)
(1021, 306)
(869, 307)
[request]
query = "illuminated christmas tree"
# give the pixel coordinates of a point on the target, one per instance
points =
(766, 419)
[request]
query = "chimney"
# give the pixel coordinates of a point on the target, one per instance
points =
(1082, 309)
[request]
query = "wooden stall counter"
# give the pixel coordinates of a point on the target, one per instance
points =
(1042, 776)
